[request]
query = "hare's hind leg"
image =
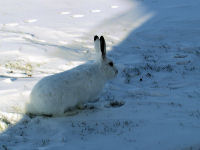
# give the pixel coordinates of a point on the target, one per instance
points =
(35, 115)
(72, 111)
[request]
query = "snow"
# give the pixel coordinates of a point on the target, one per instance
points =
(153, 103)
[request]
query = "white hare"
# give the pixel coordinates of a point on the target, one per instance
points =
(55, 94)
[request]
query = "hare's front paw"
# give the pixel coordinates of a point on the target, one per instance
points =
(81, 106)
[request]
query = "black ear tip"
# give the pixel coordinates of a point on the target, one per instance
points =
(101, 38)
(96, 37)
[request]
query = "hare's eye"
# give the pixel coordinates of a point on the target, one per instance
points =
(111, 64)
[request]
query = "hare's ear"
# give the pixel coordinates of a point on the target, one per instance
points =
(97, 43)
(103, 47)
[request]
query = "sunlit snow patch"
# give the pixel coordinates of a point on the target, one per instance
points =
(30, 21)
(114, 6)
(65, 13)
(95, 11)
(62, 42)
(12, 24)
(78, 16)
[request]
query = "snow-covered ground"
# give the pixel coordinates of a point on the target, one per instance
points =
(154, 103)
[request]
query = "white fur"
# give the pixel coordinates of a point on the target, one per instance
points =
(54, 94)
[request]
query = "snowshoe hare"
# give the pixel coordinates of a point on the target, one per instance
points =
(55, 94)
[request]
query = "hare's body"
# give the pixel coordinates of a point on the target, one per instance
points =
(55, 94)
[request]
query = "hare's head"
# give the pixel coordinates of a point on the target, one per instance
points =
(107, 65)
